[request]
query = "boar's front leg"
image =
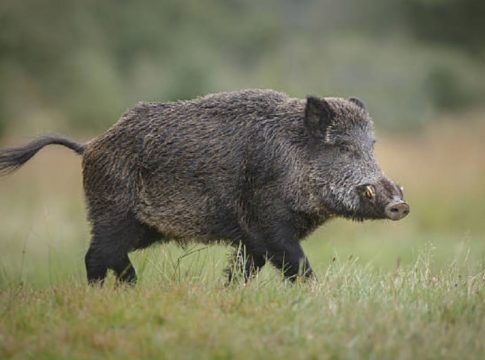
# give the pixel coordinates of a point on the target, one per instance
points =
(286, 254)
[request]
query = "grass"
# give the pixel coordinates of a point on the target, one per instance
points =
(411, 289)
(353, 311)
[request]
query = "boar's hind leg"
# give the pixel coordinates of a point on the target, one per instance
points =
(96, 266)
(112, 240)
(124, 270)
(105, 253)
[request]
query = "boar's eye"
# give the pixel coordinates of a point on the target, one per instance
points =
(348, 150)
(344, 148)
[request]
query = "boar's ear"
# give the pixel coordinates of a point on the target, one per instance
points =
(318, 116)
(358, 102)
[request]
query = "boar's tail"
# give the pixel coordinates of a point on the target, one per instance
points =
(13, 158)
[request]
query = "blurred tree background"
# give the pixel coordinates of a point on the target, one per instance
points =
(80, 64)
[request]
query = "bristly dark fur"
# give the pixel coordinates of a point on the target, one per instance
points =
(13, 158)
(254, 168)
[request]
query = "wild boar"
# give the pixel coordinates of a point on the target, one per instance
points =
(255, 168)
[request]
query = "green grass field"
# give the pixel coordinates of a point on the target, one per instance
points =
(385, 290)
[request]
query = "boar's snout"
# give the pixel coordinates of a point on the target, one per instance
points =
(383, 199)
(396, 210)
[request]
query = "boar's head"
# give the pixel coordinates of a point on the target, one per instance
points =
(344, 171)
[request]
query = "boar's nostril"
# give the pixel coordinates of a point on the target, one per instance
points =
(396, 211)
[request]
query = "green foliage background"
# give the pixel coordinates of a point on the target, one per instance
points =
(82, 63)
